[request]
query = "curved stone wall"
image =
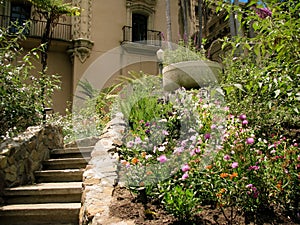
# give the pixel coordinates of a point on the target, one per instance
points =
(101, 175)
(24, 154)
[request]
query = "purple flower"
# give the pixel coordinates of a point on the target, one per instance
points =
(250, 141)
(147, 124)
(185, 176)
(129, 144)
(207, 136)
(185, 168)
(245, 122)
(242, 117)
(234, 164)
(162, 159)
(253, 168)
(226, 157)
(253, 191)
(263, 12)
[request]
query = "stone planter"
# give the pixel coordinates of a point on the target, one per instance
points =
(190, 74)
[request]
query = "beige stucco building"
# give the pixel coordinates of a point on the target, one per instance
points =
(108, 39)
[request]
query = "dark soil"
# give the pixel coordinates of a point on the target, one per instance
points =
(125, 205)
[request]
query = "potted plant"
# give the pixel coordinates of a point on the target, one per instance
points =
(184, 66)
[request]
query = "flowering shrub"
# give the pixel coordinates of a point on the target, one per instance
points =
(199, 154)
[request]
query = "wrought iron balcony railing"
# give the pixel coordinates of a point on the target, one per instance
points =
(150, 37)
(36, 28)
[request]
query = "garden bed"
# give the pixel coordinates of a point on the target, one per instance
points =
(126, 206)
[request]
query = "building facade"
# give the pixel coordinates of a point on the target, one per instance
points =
(107, 40)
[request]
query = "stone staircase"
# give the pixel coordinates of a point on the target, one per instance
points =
(55, 199)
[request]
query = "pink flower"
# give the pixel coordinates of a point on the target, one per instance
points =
(165, 132)
(185, 168)
(249, 185)
(185, 176)
(242, 117)
(130, 144)
(245, 122)
(234, 164)
(162, 159)
(250, 141)
(226, 157)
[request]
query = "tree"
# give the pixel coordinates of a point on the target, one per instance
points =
(51, 11)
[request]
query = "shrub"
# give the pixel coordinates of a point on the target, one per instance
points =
(20, 89)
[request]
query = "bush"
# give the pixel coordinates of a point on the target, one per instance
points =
(21, 102)
(263, 79)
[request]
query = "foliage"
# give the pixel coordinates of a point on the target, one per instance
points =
(20, 89)
(183, 52)
(54, 8)
(263, 80)
(201, 154)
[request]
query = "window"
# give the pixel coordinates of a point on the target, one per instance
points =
(19, 13)
(139, 27)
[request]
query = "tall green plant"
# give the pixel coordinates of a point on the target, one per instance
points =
(264, 79)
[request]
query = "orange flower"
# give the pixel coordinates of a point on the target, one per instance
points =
(233, 175)
(222, 190)
(134, 161)
(224, 175)
(124, 162)
(279, 186)
(144, 154)
(208, 167)
(219, 195)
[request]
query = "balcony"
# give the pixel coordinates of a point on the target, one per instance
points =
(61, 31)
(147, 42)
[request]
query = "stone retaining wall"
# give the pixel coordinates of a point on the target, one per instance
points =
(100, 176)
(22, 155)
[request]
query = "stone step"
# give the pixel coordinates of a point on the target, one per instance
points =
(66, 175)
(65, 163)
(40, 214)
(44, 193)
(82, 152)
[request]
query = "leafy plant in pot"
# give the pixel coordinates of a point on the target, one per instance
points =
(184, 66)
